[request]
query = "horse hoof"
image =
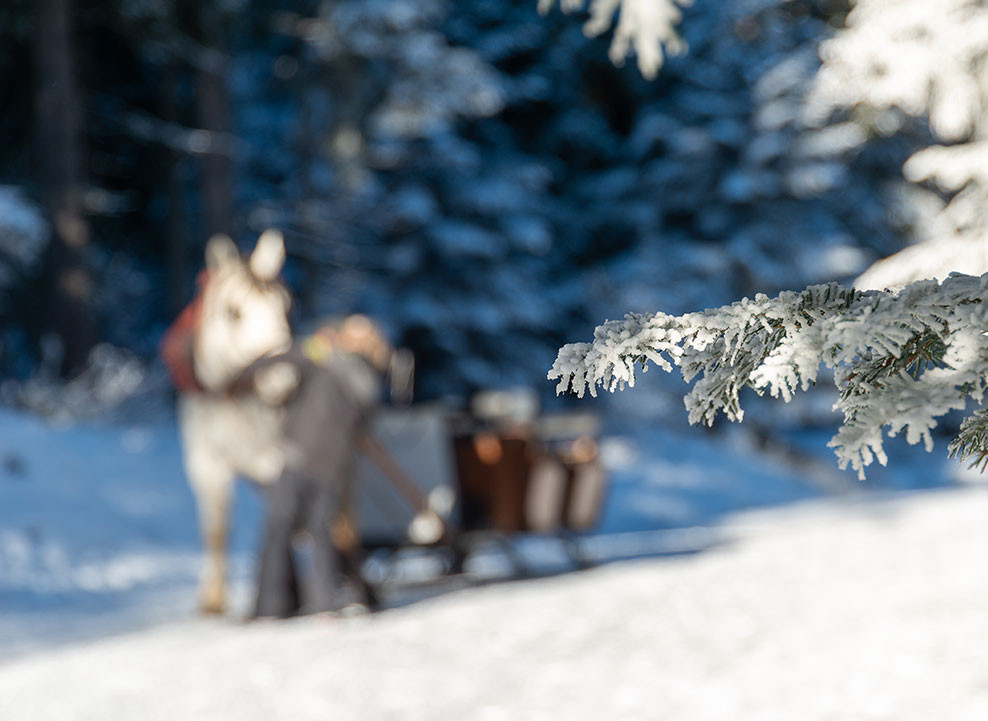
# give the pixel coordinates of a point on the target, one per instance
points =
(353, 610)
(212, 607)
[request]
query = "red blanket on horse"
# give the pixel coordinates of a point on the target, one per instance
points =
(177, 344)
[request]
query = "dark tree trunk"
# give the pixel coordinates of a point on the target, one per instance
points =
(69, 311)
(217, 172)
(306, 145)
(209, 66)
(177, 245)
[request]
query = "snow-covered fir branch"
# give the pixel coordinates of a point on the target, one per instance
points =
(902, 358)
(972, 440)
(647, 27)
(898, 58)
(918, 56)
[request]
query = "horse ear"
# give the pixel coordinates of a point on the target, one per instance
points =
(268, 256)
(220, 251)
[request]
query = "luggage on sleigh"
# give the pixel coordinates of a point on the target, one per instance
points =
(492, 473)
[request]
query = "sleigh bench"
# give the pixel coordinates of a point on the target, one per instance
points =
(489, 476)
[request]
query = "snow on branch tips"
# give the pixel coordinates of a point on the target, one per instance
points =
(902, 358)
(899, 58)
(645, 26)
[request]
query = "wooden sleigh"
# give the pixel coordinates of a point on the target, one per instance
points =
(492, 474)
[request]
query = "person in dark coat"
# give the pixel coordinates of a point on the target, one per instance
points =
(334, 395)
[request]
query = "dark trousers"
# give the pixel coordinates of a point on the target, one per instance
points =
(297, 503)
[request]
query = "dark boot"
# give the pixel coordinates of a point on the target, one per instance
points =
(324, 591)
(277, 584)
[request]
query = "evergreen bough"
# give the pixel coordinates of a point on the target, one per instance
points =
(901, 357)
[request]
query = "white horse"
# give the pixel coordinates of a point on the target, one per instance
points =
(233, 427)
(227, 433)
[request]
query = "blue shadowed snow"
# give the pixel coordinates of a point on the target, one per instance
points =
(98, 532)
(667, 480)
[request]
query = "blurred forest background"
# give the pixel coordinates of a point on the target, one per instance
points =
(479, 178)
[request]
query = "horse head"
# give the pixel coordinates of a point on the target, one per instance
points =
(244, 313)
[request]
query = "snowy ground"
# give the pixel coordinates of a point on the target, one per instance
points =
(846, 611)
(97, 532)
(863, 606)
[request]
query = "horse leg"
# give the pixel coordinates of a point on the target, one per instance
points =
(213, 488)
